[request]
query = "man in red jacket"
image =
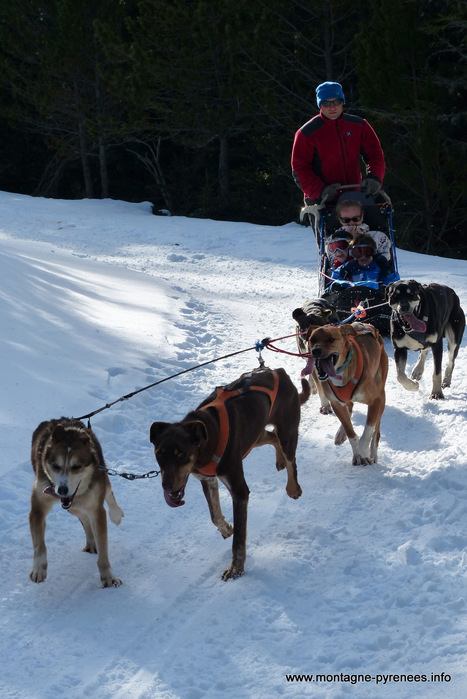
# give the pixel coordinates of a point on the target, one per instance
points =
(327, 150)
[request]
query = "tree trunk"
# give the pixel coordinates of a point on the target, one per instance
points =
(103, 169)
(224, 172)
(85, 161)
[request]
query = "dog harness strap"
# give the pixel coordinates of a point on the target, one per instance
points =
(218, 403)
(344, 393)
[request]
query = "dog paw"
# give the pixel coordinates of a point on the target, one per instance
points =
(437, 395)
(38, 575)
(111, 582)
(89, 548)
(226, 530)
(116, 515)
(280, 465)
(293, 492)
(359, 460)
(340, 437)
(232, 572)
(326, 410)
(407, 383)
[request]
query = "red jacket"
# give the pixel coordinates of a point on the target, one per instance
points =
(326, 151)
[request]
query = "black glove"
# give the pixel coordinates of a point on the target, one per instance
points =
(329, 192)
(370, 186)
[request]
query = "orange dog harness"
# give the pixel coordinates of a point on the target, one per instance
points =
(222, 396)
(344, 393)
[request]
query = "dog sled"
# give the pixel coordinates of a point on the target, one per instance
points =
(368, 301)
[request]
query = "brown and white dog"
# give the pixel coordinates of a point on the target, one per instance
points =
(316, 311)
(70, 468)
(352, 365)
(422, 316)
(212, 441)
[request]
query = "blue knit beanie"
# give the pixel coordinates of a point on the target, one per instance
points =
(329, 91)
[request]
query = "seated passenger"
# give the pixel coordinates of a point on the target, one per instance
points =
(350, 215)
(362, 269)
(337, 247)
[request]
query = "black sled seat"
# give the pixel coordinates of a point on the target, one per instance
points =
(346, 300)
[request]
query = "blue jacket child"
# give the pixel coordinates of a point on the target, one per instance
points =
(362, 268)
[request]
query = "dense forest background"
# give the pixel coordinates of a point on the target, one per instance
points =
(193, 104)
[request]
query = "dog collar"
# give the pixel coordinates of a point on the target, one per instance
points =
(340, 369)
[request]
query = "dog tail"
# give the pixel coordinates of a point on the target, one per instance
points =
(306, 391)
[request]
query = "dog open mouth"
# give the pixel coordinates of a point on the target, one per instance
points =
(174, 498)
(325, 368)
(65, 502)
(414, 323)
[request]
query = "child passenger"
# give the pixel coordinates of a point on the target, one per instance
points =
(362, 268)
(338, 247)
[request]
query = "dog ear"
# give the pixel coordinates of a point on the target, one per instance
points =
(388, 291)
(298, 313)
(414, 285)
(83, 436)
(156, 430)
(347, 329)
(310, 330)
(197, 430)
(59, 433)
(327, 312)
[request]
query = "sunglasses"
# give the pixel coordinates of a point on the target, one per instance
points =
(331, 103)
(342, 244)
(362, 251)
(347, 219)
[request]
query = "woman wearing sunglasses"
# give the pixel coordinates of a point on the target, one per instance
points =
(328, 149)
(362, 268)
(350, 216)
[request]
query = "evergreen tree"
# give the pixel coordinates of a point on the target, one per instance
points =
(410, 106)
(51, 65)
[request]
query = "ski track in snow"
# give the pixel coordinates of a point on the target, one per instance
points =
(368, 577)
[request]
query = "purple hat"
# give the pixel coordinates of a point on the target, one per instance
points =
(329, 91)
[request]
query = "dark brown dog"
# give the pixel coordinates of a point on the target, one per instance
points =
(315, 311)
(352, 365)
(214, 439)
(68, 462)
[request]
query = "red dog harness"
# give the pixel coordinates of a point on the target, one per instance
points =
(222, 396)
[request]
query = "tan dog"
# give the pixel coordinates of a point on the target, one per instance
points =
(212, 441)
(69, 466)
(352, 365)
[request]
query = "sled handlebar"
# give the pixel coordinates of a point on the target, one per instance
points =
(381, 193)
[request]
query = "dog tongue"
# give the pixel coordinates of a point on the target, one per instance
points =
(174, 500)
(328, 366)
(415, 323)
(310, 365)
(50, 490)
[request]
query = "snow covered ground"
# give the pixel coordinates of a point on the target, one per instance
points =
(364, 575)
